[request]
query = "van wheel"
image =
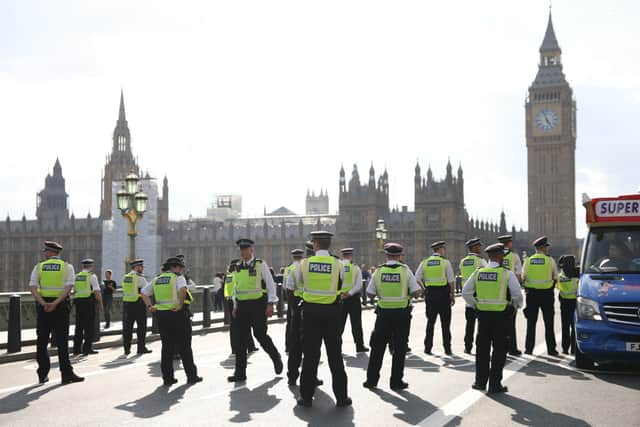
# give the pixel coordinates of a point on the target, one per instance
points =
(583, 361)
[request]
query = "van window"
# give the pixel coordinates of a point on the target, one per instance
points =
(613, 250)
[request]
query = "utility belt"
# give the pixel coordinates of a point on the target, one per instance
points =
(262, 299)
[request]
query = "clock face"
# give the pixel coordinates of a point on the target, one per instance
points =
(547, 119)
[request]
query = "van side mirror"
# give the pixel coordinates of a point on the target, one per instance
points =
(568, 265)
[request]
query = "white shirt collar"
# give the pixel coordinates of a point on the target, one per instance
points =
(493, 264)
(322, 252)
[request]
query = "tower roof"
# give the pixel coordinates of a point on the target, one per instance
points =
(550, 43)
(121, 114)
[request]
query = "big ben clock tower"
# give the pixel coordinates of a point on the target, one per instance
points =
(551, 145)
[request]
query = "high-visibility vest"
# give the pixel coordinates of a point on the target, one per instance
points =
(52, 275)
(82, 285)
(130, 291)
(468, 265)
(392, 286)
(568, 287)
(249, 282)
(539, 270)
(350, 274)
(509, 261)
(165, 291)
(321, 275)
(434, 271)
(491, 289)
(298, 285)
(229, 285)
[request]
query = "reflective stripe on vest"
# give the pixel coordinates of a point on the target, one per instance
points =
(52, 276)
(350, 273)
(165, 291)
(509, 261)
(130, 291)
(539, 272)
(297, 284)
(491, 289)
(568, 287)
(82, 285)
(434, 271)
(229, 285)
(249, 283)
(321, 275)
(468, 265)
(392, 286)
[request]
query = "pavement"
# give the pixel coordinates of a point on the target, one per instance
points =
(543, 390)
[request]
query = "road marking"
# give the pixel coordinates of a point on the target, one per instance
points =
(467, 399)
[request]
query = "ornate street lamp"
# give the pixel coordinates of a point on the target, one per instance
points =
(132, 203)
(381, 234)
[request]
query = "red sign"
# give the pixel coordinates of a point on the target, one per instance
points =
(614, 209)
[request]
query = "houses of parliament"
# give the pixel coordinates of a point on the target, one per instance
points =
(439, 211)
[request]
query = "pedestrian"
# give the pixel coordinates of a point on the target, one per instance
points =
(540, 274)
(255, 295)
(169, 290)
(512, 262)
(217, 291)
(350, 307)
(86, 295)
(436, 275)
(108, 287)
(278, 279)
(394, 284)
(365, 280)
(51, 283)
(494, 292)
(468, 265)
(135, 310)
(293, 296)
(322, 275)
(568, 294)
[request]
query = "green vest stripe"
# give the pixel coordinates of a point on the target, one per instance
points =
(249, 286)
(392, 286)
(491, 289)
(321, 275)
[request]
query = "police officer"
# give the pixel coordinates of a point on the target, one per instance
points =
(568, 294)
(51, 283)
(436, 275)
(494, 292)
(255, 295)
(468, 265)
(394, 284)
(169, 290)
(86, 292)
(322, 275)
(350, 293)
(134, 307)
(512, 262)
(229, 290)
(294, 291)
(540, 274)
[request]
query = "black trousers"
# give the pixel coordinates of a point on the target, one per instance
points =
(107, 302)
(321, 323)
(491, 347)
(438, 303)
(351, 308)
(85, 316)
(512, 338)
(294, 338)
(233, 326)
(470, 328)
(540, 299)
(175, 334)
(567, 309)
(134, 312)
(55, 323)
(251, 316)
(391, 324)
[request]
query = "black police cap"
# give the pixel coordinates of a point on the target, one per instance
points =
(245, 243)
(136, 262)
(172, 261)
(297, 252)
(505, 238)
(437, 245)
(473, 242)
(495, 248)
(393, 248)
(541, 242)
(87, 261)
(321, 235)
(346, 251)
(52, 246)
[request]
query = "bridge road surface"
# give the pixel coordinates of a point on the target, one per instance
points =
(543, 391)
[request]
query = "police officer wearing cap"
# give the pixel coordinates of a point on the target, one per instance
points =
(255, 295)
(494, 292)
(436, 275)
(322, 275)
(394, 284)
(468, 265)
(134, 307)
(567, 294)
(169, 290)
(293, 292)
(50, 284)
(229, 290)
(540, 274)
(350, 295)
(512, 262)
(86, 292)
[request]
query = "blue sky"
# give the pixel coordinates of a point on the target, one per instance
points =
(267, 99)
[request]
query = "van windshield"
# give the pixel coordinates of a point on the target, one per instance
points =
(613, 250)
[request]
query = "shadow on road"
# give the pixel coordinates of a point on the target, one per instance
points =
(530, 414)
(360, 361)
(324, 412)
(22, 398)
(250, 401)
(547, 367)
(413, 409)
(416, 362)
(156, 403)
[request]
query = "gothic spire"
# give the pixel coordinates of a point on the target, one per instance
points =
(57, 169)
(121, 114)
(550, 43)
